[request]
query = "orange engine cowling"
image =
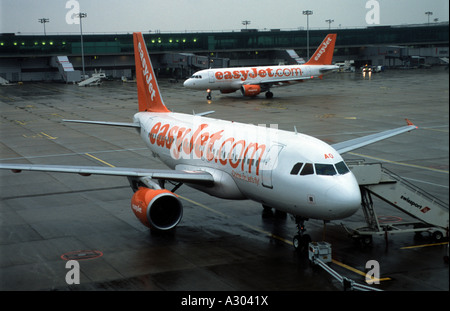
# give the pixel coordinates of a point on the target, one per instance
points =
(157, 209)
(250, 90)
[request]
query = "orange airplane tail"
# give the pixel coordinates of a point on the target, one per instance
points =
(324, 53)
(149, 96)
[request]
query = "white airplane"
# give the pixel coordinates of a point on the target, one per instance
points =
(254, 80)
(288, 171)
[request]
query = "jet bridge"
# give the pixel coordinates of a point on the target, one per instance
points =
(431, 213)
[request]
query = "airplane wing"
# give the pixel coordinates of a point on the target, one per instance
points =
(195, 177)
(276, 82)
(356, 143)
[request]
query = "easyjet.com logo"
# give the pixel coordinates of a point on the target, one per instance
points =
(323, 48)
(145, 71)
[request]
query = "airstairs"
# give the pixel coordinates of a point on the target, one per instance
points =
(65, 67)
(373, 179)
(3, 81)
(293, 55)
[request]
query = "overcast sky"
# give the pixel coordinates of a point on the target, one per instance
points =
(111, 16)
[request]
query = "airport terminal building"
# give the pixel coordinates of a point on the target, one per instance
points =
(178, 55)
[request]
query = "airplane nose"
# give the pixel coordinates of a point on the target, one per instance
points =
(344, 198)
(187, 83)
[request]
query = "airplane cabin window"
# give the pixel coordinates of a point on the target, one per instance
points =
(308, 169)
(296, 168)
(342, 168)
(325, 169)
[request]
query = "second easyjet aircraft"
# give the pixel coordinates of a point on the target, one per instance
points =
(254, 80)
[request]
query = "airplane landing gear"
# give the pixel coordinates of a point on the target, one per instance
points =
(208, 97)
(269, 95)
(301, 240)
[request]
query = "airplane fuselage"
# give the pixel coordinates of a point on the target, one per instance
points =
(231, 79)
(255, 162)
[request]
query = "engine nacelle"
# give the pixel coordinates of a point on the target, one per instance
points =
(157, 209)
(250, 90)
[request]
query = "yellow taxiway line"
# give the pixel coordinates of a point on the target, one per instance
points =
(98, 159)
(423, 245)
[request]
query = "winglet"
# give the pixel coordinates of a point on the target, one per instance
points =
(324, 53)
(410, 123)
(149, 96)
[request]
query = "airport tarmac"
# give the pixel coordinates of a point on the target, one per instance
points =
(220, 245)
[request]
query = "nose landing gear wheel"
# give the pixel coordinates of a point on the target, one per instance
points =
(301, 240)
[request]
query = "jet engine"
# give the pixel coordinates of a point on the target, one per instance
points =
(157, 209)
(250, 90)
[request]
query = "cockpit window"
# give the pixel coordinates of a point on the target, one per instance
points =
(296, 168)
(342, 168)
(319, 169)
(196, 77)
(308, 169)
(325, 169)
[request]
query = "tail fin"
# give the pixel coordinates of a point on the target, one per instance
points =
(149, 96)
(324, 53)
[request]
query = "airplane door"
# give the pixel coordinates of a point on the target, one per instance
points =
(269, 163)
(211, 77)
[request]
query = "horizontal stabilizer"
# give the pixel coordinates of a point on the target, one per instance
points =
(123, 124)
(204, 113)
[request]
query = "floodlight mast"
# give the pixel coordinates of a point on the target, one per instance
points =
(329, 21)
(429, 13)
(44, 21)
(307, 13)
(246, 23)
(81, 16)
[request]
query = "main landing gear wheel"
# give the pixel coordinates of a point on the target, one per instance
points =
(269, 95)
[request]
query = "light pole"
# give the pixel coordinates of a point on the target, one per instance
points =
(307, 13)
(245, 23)
(43, 21)
(429, 13)
(81, 16)
(329, 21)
